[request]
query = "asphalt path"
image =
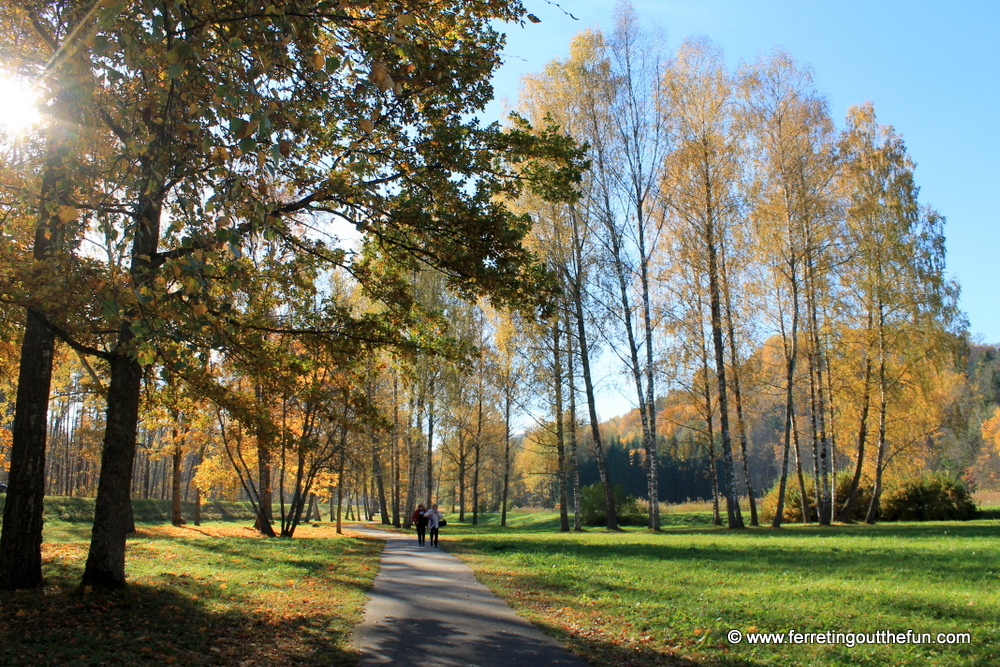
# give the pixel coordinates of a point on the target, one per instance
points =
(427, 609)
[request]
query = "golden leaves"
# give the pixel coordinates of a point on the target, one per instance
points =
(991, 430)
(67, 214)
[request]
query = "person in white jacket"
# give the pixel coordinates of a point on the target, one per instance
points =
(434, 523)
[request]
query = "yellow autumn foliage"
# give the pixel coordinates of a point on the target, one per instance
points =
(217, 478)
(991, 431)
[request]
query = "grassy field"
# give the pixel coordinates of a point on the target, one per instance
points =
(209, 595)
(220, 595)
(637, 598)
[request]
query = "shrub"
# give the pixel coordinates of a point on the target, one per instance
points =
(928, 498)
(793, 510)
(594, 506)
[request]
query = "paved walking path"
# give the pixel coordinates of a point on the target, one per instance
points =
(427, 609)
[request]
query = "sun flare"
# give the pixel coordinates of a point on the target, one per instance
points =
(18, 106)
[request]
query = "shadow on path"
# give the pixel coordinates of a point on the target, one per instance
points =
(427, 609)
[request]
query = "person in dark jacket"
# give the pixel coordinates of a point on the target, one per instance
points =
(419, 519)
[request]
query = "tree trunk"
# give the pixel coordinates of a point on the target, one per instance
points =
(738, 393)
(164, 479)
(369, 512)
(461, 478)
(734, 516)
(791, 347)
(113, 519)
(105, 566)
(380, 483)
(508, 400)
(848, 507)
(265, 512)
(814, 427)
(412, 467)
(783, 478)
(197, 490)
(612, 512)
(648, 439)
(803, 498)
(710, 440)
(558, 414)
(430, 443)
(21, 536)
(476, 460)
(834, 471)
(873, 508)
(197, 506)
(340, 490)
(574, 458)
(176, 518)
(649, 433)
(475, 485)
(21, 540)
(821, 444)
(713, 467)
(396, 463)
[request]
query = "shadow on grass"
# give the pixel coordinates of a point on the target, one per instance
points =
(747, 550)
(152, 625)
(887, 530)
(544, 522)
(602, 653)
(894, 551)
(489, 522)
(924, 572)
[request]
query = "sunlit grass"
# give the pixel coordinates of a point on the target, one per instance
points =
(641, 598)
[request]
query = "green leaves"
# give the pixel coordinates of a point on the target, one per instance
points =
(221, 151)
(109, 13)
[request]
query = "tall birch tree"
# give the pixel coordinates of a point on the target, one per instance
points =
(701, 185)
(795, 167)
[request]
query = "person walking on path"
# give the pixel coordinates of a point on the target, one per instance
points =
(419, 519)
(434, 519)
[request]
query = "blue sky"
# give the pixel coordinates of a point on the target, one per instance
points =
(931, 68)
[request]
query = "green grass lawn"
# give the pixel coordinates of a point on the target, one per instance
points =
(219, 595)
(214, 595)
(637, 598)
